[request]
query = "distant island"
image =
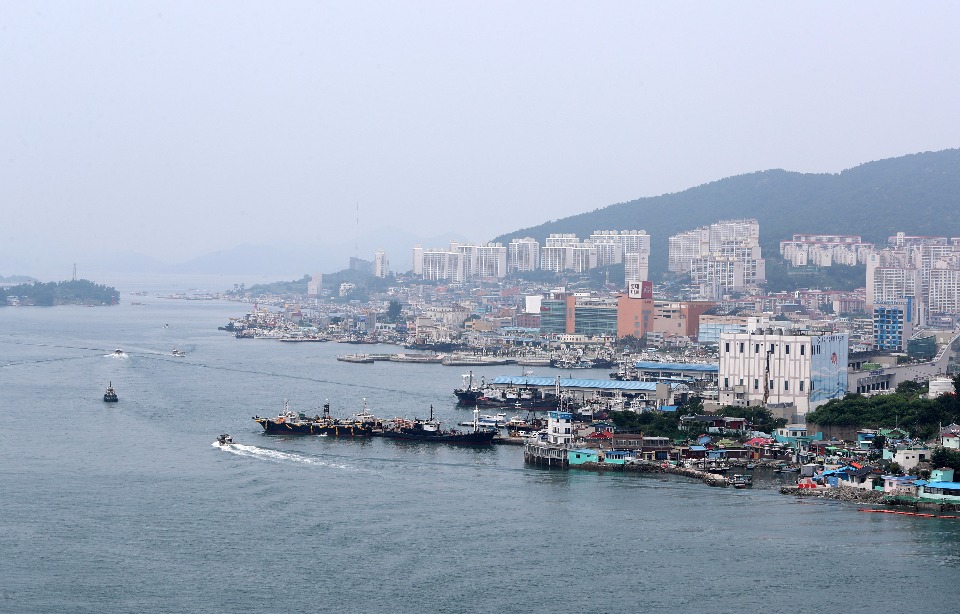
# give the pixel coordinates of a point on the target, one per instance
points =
(16, 279)
(76, 292)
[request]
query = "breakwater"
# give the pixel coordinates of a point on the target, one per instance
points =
(710, 479)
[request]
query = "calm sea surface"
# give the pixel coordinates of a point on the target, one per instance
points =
(129, 507)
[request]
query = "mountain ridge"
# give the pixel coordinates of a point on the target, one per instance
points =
(917, 193)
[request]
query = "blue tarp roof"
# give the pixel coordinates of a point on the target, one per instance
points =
(954, 485)
(697, 448)
(669, 408)
(677, 366)
(600, 384)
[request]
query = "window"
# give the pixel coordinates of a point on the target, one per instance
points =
(726, 347)
(741, 347)
(802, 348)
(786, 385)
(771, 348)
(812, 386)
(801, 382)
(756, 348)
(726, 382)
(756, 384)
(786, 349)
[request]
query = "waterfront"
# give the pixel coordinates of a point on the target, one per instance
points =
(129, 506)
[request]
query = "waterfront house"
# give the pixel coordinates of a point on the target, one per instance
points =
(582, 455)
(940, 487)
(903, 485)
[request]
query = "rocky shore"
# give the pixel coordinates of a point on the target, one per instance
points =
(850, 495)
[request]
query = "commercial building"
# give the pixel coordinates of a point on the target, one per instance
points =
(791, 371)
(893, 323)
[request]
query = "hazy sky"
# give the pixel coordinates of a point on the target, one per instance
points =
(178, 128)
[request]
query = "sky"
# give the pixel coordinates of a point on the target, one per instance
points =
(175, 129)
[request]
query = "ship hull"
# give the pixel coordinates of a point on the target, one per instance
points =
(479, 438)
(314, 428)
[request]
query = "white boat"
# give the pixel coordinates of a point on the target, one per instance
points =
(177, 352)
(224, 440)
(118, 352)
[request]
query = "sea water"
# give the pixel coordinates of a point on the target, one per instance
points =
(129, 507)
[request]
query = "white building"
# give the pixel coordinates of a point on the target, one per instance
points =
(636, 267)
(773, 367)
(523, 255)
(380, 264)
(491, 261)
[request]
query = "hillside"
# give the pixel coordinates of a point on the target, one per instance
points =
(918, 194)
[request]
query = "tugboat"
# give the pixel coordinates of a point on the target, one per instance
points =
(429, 431)
(224, 440)
(110, 396)
(291, 423)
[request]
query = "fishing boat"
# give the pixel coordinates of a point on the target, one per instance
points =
(224, 440)
(297, 423)
(486, 420)
(469, 392)
(429, 431)
(110, 396)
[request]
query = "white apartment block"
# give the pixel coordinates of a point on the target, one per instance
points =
(491, 261)
(943, 289)
(523, 255)
(775, 367)
(636, 267)
(925, 268)
(685, 247)
(438, 264)
(825, 250)
(381, 265)
(714, 276)
(612, 245)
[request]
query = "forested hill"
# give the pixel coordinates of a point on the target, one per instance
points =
(76, 292)
(918, 194)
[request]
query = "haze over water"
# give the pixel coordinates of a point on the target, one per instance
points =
(128, 507)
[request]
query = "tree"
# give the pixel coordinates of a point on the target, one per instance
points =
(393, 311)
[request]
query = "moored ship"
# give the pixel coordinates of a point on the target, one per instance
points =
(297, 423)
(429, 431)
(470, 392)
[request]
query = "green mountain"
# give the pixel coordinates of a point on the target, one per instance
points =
(918, 194)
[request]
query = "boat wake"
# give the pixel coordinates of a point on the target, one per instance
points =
(277, 456)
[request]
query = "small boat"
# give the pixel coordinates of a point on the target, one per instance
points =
(118, 352)
(751, 465)
(224, 440)
(741, 481)
(177, 352)
(110, 396)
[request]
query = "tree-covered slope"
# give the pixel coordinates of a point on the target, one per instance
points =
(918, 194)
